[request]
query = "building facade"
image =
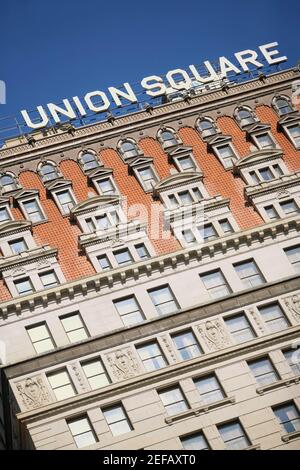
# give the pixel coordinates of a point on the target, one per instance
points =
(123, 328)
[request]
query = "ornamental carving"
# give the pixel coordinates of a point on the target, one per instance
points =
(168, 346)
(293, 305)
(79, 376)
(123, 364)
(33, 392)
(257, 320)
(214, 334)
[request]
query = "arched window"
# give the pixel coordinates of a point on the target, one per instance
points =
(88, 160)
(167, 137)
(128, 148)
(206, 127)
(282, 105)
(48, 172)
(244, 116)
(8, 182)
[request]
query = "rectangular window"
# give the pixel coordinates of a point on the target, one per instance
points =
(227, 155)
(18, 246)
(207, 232)
(289, 207)
(226, 226)
(188, 236)
(106, 186)
(61, 384)
(271, 213)
(123, 257)
(164, 300)
(209, 388)
(288, 417)
(265, 141)
(104, 262)
(274, 317)
(142, 251)
(185, 198)
(239, 327)
(293, 254)
(95, 373)
(129, 310)
(82, 431)
(65, 200)
(234, 436)
(195, 441)
(102, 222)
(117, 420)
(265, 174)
(24, 286)
(33, 211)
(215, 284)
(293, 360)
(294, 132)
(151, 356)
(187, 345)
(49, 279)
(147, 177)
(173, 401)
(249, 274)
(186, 163)
(173, 201)
(74, 327)
(40, 337)
(263, 371)
(4, 214)
(197, 194)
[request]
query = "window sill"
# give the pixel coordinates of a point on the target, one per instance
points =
(278, 384)
(254, 447)
(201, 409)
(290, 436)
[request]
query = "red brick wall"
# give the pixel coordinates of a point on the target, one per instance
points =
(60, 233)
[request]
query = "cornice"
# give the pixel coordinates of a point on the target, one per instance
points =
(277, 185)
(195, 209)
(205, 102)
(94, 284)
(259, 156)
(27, 257)
(14, 226)
(94, 203)
(112, 234)
(177, 180)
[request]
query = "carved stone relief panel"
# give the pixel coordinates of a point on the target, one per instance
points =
(32, 393)
(122, 364)
(214, 335)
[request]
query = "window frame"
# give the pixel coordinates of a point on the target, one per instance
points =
(84, 327)
(38, 325)
(40, 210)
(157, 305)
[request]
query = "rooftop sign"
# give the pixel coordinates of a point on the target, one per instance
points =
(178, 79)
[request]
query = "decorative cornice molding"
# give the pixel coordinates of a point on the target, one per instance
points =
(27, 257)
(160, 263)
(14, 226)
(271, 186)
(259, 156)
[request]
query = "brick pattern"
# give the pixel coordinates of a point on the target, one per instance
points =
(61, 233)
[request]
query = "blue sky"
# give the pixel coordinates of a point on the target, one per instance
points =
(56, 49)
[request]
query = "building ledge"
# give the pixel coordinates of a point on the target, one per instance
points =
(278, 384)
(290, 436)
(200, 409)
(253, 447)
(93, 284)
(27, 256)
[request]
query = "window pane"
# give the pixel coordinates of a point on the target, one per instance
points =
(173, 401)
(271, 212)
(106, 186)
(33, 211)
(82, 432)
(289, 207)
(187, 345)
(288, 416)
(95, 374)
(24, 286)
(233, 436)
(4, 214)
(18, 246)
(185, 198)
(194, 442)
(186, 163)
(226, 226)
(215, 284)
(40, 338)
(293, 254)
(117, 420)
(163, 300)
(209, 389)
(151, 356)
(74, 328)
(61, 385)
(265, 141)
(123, 257)
(274, 317)
(292, 358)
(240, 328)
(142, 251)
(129, 310)
(263, 371)
(49, 279)
(249, 274)
(104, 262)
